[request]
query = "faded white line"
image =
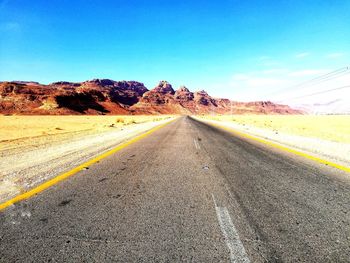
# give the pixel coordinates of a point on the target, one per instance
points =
(196, 144)
(237, 251)
(229, 192)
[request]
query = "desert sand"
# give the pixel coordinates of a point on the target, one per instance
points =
(21, 133)
(35, 148)
(21, 127)
(327, 127)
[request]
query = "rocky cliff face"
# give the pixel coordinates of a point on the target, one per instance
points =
(104, 96)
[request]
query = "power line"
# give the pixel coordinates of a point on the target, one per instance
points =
(326, 79)
(320, 79)
(317, 93)
(328, 75)
(331, 75)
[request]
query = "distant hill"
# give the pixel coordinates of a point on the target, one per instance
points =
(337, 106)
(104, 96)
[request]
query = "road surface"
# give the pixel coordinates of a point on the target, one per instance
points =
(188, 192)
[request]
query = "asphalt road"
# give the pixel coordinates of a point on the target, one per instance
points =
(186, 193)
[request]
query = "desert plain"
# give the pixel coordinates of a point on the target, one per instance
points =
(327, 127)
(28, 127)
(35, 148)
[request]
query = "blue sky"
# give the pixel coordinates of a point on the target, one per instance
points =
(236, 49)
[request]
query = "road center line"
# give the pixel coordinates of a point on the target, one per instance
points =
(196, 144)
(233, 242)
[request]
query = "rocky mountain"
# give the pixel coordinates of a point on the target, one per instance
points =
(104, 96)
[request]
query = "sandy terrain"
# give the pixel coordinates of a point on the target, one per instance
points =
(328, 127)
(20, 133)
(56, 144)
(19, 127)
(327, 136)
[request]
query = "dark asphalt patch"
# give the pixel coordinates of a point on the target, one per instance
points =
(44, 220)
(103, 179)
(65, 202)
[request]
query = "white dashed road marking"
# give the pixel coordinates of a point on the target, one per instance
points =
(196, 144)
(237, 251)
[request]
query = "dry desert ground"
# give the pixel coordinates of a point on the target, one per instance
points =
(327, 127)
(35, 148)
(28, 127)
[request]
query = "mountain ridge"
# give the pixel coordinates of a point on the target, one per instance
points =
(106, 96)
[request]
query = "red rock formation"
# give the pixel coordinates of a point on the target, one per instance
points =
(104, 96)
(183, 95)
(159, 100)
(90, 97)
(262, 107)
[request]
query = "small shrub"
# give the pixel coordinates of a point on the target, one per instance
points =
(120, 120)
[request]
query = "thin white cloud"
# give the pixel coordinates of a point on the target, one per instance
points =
(257, 80)
(240, 77)
(335, 55)
(268, 84)
(302, 55)
(308, 72)
(267, 61)
(274, 71)
(260, 82)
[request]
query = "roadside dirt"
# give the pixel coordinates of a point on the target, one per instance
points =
(26, 162)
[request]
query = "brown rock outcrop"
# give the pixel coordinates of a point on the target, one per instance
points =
(105, 96)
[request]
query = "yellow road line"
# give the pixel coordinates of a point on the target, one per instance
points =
(281, 147)
(65, 175)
